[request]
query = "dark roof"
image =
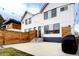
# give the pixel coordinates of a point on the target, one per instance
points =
(44, 7)
(12, 20)
(36, 13)
(25, 14)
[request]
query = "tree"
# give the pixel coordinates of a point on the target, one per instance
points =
(1, 21)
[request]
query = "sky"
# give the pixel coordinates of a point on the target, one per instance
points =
(16, 10)
(77, 18)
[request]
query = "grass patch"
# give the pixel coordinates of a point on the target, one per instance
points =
(13, 52)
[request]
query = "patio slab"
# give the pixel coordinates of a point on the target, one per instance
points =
(41, 49)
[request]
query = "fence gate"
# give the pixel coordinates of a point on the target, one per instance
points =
(66, 31)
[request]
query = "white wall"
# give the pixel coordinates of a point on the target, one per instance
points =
(23, 25)
(14, 30)
(65, 18)
(54, 5)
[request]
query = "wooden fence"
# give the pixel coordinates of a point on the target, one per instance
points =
(10, 37)
(66, 31)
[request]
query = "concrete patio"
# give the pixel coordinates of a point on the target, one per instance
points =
(41, 48)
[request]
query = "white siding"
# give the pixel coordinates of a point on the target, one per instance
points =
(65, 18)
(54, 5)
(28, 15)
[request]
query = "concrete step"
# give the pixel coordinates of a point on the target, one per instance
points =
(37, 40)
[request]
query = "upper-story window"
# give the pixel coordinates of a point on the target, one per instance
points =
(29, 20)
(50, 13)
(46, 15)
(53, 12)
(22, 22)
(26, 21)
(63, 8)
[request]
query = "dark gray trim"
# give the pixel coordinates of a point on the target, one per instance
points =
(55, 7)
(12, 20)
(25, 15)
(44, 7)
(52, 39)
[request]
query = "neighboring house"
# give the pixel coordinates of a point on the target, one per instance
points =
(26, 19)
(12, 25)
(54, 21)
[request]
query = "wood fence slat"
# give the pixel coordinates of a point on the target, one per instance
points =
(10, 37)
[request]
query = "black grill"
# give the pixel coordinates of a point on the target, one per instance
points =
(69, 44)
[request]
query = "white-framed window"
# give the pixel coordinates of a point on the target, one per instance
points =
(56, 28)
(52, 28)
(50, 13)
(54, 12)
(29, 29)
(46, 15)
(25, 30)
(26, 21)
(22, 22)
(64, 8)
(29, 20)
(46, 28)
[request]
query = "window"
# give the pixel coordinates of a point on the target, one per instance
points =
(45, 15)
(64, 8)
(29, 20)
(29, 29)
(26, 21)
(56, 28)
(25, 30)
(46, 28)
(52, 29)
(22, 22)
(53, 12)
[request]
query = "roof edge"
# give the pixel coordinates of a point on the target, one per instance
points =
(44, 7)
(25, 15)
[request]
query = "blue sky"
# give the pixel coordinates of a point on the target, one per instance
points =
(77, 18)
(16, 10)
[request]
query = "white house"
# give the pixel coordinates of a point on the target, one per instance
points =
(53, 21)
(24, 22)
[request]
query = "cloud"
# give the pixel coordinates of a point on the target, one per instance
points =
(77, 27)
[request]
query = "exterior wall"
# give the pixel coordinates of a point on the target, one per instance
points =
(16, 26)
(28, 15)
(54, 5)
(9, 26)
(65, 18)
(17, 30)
(35, 22)
(13, 26)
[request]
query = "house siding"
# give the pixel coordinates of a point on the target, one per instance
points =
(65, 19)
(13, 26)
(16, 26)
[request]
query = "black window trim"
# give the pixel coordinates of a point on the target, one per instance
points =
(64, 8)
(44, 15)
(55, 9)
